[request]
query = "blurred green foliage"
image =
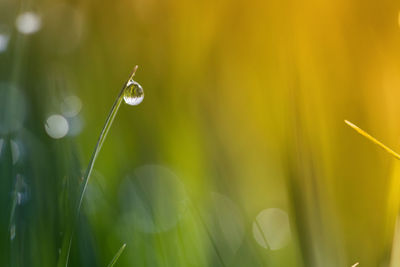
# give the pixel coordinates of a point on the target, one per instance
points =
(238, 155)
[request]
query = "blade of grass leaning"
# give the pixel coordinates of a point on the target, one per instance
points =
(387, 149)
(372, 139)
(114, 260)
(66, 248)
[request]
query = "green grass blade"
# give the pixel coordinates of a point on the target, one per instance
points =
(114, 260)
(64, 256)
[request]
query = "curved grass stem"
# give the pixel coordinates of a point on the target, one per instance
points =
(102, 138)
(63, 260)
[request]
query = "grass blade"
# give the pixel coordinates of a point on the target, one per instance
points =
(66, 247)
(373, 139)
(114, 260)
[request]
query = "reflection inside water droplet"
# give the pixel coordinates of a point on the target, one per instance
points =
(133, 93)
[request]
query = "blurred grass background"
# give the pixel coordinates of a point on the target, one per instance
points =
(238, 155)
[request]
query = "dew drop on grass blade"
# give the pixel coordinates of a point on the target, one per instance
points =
(132, 94)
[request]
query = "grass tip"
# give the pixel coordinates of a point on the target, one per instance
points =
(134, 72)
(372, 139)
(350, 124)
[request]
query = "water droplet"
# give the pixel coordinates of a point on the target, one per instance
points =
(133, 93)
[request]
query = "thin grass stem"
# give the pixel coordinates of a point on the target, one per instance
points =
(102, 138)
(85, 179)
(116, 257)
(373, 139)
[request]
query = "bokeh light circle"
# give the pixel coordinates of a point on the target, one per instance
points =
(153, 199)
(56, 126)
(271, 229)
(28, 22)
(71, 106)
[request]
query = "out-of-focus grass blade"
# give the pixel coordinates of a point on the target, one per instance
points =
(396, 244)
(114, 260)
(395, 257)
(372, 139)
